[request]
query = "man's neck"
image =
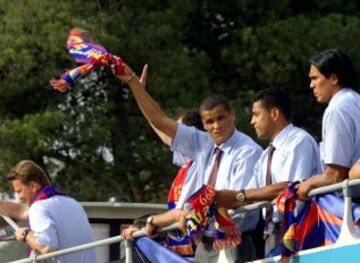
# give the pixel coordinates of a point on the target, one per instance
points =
(278, 128)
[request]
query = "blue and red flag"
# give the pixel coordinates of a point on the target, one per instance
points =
(90, 55)
(317, 224)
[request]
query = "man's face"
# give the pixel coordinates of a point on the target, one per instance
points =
(26, 193)
(323, 88)
(219, 123)
(261, 120)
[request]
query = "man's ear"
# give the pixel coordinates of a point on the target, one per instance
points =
(34, 186)
(233, 115)
(334, 79)
(274, 113)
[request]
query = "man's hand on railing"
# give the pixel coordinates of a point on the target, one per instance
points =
(303, 189)
(128, 232)
(227, 199)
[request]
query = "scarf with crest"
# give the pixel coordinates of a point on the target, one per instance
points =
(200, 212)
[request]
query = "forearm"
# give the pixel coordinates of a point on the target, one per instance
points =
(163, 137)
(267, 193)
(32, 242)
(331, 175)
(165, 219)
(13, 210)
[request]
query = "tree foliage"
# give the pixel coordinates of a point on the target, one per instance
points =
(93, 141)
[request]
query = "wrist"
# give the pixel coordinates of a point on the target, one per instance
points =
(24, 234)
(150, 221)
(240, 196)
(130, 78)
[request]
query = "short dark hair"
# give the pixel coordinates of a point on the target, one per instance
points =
(215, 100)
(334, 61)
(28, 171)
(191, 118)
(275, 97)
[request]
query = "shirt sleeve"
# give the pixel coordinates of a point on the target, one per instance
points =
(244, 168)
(178, 159)
(187, 141)
(303, 159)
(254, 180)
(338, 141)
(42, 226)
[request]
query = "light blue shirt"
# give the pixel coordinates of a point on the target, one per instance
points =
(60, 222)
(296, 158)
(240, 154)
(179, 159)
(341, 129)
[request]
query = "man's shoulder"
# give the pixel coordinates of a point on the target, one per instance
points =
(297, 136)
(49, 202)
(242, 141)
(343, 103)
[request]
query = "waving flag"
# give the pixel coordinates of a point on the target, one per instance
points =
(90, 55)
(317, 224)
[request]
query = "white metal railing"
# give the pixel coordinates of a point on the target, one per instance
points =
(347, 233)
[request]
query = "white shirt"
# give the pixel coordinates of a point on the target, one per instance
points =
(240, 154)
(296, 157)
(60, 222)
(341, 129)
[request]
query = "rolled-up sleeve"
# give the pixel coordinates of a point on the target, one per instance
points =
(43, 227)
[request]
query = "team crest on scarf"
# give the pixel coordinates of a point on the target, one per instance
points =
(90, 55)
(200, 211)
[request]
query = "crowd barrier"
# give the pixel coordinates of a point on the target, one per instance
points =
(347, 234)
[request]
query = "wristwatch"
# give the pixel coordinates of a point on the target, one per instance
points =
(24, 234)
(240, 197)
(149, 220)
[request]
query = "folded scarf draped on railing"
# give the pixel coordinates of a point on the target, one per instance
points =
(200, 212)
(318, 223)
(90, 55)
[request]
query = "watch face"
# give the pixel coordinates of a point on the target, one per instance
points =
(149, 220)
(240, 197)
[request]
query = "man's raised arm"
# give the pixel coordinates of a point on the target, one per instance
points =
(149, 107)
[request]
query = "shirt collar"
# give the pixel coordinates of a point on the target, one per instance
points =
(280, 138)
(228, 144)
(338, 95)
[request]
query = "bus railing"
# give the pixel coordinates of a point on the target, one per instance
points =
(347, 234)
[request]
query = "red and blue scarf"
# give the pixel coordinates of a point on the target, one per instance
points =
(200, 212)
(47, 192)
(175, 239)
(90, 55)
